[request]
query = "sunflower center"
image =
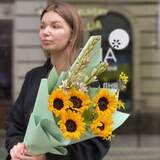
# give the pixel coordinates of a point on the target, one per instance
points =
(102, 103)
(71, 125)
(101, 127)
(77, 102)
(58, 103)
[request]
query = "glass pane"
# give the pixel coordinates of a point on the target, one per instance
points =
(5, 59)
(138, 138)
(115, 51)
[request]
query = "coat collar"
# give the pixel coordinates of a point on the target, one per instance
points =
(48, 65)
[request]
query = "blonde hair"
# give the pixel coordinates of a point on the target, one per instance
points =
(71, 16)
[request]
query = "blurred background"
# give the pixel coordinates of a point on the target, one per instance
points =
(138, 56)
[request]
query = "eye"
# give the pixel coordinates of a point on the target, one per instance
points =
(56, 26)
(42, 26)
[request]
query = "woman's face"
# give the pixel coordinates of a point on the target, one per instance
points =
(55, 32)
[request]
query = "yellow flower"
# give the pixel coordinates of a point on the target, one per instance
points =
(58, 101)
(102, 126)
(105, 101)
(123, 78)
(79, 99)
(71, 125)
(121, 104)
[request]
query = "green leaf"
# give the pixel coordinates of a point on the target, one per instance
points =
(89, 115)
(93, 91)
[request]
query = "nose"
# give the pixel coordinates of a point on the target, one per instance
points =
(46, 30)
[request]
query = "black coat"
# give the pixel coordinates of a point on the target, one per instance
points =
(17, 121)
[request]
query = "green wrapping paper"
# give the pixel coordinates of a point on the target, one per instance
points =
(42, 134)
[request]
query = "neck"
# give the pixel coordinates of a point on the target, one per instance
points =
(60, 60)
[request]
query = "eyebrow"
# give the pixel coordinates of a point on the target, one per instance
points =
(52, 22)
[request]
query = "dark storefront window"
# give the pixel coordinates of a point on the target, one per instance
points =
(116, 53)
(6, 1)
(5, 58)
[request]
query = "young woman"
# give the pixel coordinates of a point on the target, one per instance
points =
(61, 38)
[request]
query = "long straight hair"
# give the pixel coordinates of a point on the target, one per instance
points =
(71, 16)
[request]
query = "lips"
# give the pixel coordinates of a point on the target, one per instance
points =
(46, 42)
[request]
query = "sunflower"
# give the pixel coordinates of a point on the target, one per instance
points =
(58, 101)
(79, 99)
(71, 125)
(105, 101)
(102, 126)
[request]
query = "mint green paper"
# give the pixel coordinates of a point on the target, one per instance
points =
(42, 134)
(118, 119)
(96, 51)
(96, 55)
(95, 59)
(61, 77)
(52, 79)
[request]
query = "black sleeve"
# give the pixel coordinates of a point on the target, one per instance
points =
(92, 149)
(15, 128)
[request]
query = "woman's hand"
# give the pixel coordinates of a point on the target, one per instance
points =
(17, 151)
(31, 157)
(20, 152)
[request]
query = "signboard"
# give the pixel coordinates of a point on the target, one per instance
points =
(116, 45)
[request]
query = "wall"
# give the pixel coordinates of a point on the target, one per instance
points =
(144, 13)
(27, 51)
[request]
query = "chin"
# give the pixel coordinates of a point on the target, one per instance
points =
(47, 48)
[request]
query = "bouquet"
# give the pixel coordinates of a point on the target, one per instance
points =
(69, 109)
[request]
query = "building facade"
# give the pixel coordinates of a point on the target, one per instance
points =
(140, 16)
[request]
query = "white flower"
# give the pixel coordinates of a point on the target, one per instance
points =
(82, 87)
(64, 84)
